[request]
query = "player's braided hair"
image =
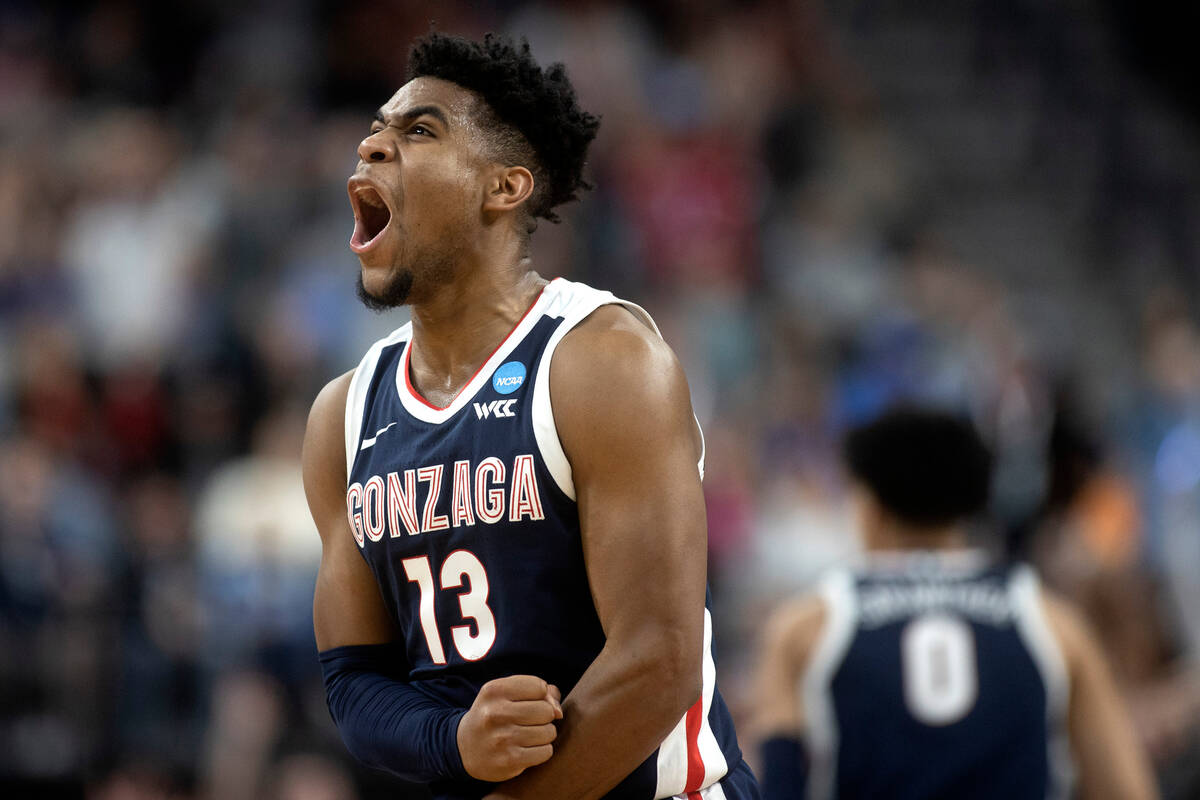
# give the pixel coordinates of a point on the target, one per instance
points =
(537, 119)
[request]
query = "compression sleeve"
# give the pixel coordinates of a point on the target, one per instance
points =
(784, 769)
(388, 723)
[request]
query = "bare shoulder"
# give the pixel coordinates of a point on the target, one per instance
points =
(612, 365)
(330, 403)
(1071, 631)
(611, 317)
(793, 629)
(327, 417)
(613, 338)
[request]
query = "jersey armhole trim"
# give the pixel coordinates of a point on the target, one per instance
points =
(1034, 629)
(360, 386)
(816, 686)
(574, 310)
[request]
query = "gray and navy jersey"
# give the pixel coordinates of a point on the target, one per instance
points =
(936, 676)
(467, 517)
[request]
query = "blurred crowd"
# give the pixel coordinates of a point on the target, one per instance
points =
(827, 207)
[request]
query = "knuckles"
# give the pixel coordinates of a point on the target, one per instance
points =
(500, 745)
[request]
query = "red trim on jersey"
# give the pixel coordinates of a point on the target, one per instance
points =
(408, 354)
(695, 770)
(693, 796)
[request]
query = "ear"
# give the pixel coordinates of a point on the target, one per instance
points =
(507, 189)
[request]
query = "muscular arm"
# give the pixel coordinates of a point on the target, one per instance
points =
(384, 721)
(1110, 760)
(347, 606)
(778, 714)
(624, 416)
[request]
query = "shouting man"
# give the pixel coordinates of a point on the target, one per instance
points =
(512, 594)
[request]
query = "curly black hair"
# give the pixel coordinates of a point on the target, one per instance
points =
(535, 119)
(928, 467)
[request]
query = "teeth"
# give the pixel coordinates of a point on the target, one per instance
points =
(370, 197)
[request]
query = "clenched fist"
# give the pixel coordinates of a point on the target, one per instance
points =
(509, 727)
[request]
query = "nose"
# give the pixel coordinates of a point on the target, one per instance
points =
(377, 147)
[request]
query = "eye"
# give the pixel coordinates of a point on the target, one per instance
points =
(420, 130)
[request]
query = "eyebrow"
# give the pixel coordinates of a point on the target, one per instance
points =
(414, 112)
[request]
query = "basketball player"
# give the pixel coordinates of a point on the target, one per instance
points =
(511, 598)
(931, 673)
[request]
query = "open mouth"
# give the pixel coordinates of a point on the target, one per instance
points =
(371, 216)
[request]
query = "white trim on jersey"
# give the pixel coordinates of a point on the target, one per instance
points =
(356, 395)
(715, 765)
(684, 748)
(692, 744)
(1034, 629)
(841, 622)
(574, 302)
(422, 410)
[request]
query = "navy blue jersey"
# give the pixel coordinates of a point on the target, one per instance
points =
(936, 676)
(467, 517)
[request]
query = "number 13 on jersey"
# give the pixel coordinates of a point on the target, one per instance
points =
(459, 565)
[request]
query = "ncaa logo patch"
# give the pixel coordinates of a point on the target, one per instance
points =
(508, 377)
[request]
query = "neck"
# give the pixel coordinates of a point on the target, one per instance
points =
(458, 327)
(904, 537)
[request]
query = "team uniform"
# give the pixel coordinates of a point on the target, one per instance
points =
(467, 517)
(936, 676)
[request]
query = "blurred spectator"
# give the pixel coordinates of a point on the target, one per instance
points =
(311, 777)
(160, 695)
(142, 215)
(257, 552)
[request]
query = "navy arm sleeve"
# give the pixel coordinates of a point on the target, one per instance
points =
(386, 722)
(784, 769)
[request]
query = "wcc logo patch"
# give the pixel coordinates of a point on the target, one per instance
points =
(508, 377)
(496, 408)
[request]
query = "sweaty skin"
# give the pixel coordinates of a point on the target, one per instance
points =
(624, 415)
(458, 235)
(1111, 764)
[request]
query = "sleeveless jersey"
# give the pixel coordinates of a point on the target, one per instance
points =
(467, 517)
(936, 676)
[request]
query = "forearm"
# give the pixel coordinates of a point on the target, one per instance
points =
(387, 723)
(619, 712)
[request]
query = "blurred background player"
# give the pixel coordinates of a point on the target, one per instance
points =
(932, 671)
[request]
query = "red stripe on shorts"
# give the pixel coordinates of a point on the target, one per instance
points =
(695, 771)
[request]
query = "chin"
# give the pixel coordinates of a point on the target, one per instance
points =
(380, 289)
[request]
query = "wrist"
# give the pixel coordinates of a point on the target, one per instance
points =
(451, 746)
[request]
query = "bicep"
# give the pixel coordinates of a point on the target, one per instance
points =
(645, 543)
(625, 419)
(347, 605)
